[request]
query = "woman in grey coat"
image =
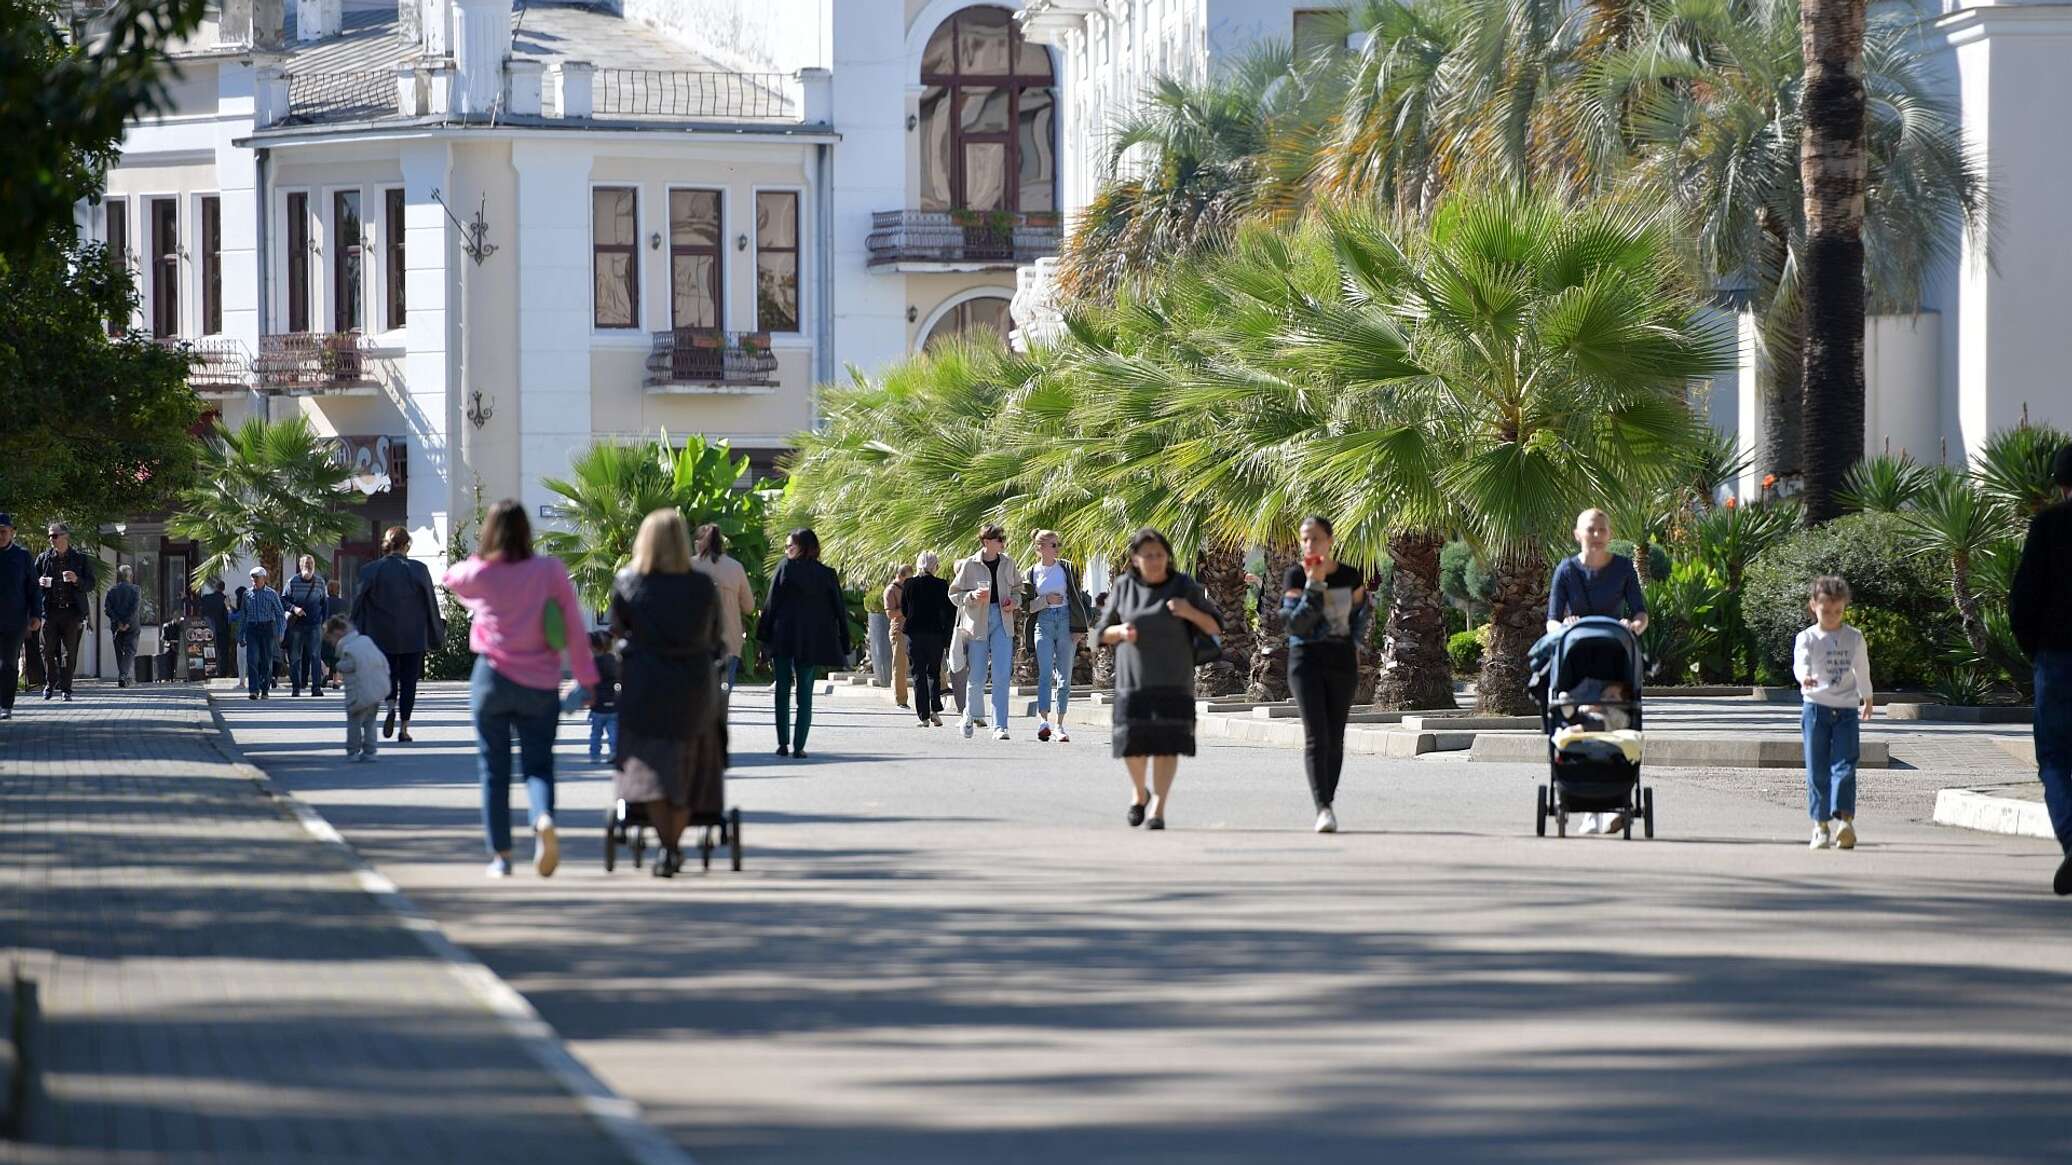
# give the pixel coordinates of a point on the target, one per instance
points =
(1152, 615)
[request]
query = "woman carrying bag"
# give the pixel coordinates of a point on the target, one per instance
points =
(1058, 618)
(1161, 625)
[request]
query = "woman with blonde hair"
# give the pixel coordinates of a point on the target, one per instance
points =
(672, 738)
(1058, 617)
(709, 557)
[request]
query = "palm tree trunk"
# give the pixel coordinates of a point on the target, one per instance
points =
(1517, 616)
(1415, 671)
(1780, 384)
(1222, 575)
(1967, 604)
(1270, 648)
(1642, 550)
(1831, 169)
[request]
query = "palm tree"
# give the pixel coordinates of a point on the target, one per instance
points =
(1831, 157)
(1885, 484)
(1532, 355)
(1958, 523)
(266, 489)
(2014, 466)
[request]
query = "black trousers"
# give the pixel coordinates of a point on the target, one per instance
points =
(1322, 677)
(924, 664)
(125, 653)
(226, 648)
(61, 650)
(10, 663)
(405, 669)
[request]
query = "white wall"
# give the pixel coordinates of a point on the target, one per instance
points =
(872, 75)
(775, 35)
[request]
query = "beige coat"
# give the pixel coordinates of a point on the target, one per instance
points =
(973, 619)
(735, 597)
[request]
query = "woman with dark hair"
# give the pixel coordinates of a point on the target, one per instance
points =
(526, 617)
(1151, 617)
(397, 608)
(1325, 604)
(804, 627)
(736, 599)
(672, 753)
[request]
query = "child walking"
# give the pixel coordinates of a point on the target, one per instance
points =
(364, 673)
(1833, 668)
(604, 707)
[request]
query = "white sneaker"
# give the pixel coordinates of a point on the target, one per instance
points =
(546, 847)
(968, 730)
(499, 868)
(1845, 835)
(1592, 823)
(1327, 821)
(1043, 730)
(1000, 734)
(1820, 837)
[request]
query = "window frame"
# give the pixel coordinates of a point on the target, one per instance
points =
(633, 273)
(717, 252)
(395, 299)
(1015, 84)
(120, 250)
(162, 311)
(208, 229)
(345, 290)
(797, 251)
(294, 254)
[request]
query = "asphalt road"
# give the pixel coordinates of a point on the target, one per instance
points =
(956, 951)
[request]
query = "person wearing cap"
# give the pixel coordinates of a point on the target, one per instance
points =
(66, 577)
(21, 610)
(260, 632)
(120, 606)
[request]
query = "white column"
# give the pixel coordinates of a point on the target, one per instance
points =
(481, 39)
(553, 312)
(238, 204)
(870, 165)
(430, 406)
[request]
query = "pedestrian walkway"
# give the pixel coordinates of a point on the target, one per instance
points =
(213, 984)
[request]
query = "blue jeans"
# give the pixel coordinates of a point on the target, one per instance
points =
(1831, 751)
(260, 641)
(499, 708)
(305, 655)
(604, 730)
(997, 649)
(2054, 739)
(1054, 655)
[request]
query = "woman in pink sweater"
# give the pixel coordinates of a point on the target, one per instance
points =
(519, 638)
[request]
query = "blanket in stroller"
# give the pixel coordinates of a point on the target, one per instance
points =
(1574, 740)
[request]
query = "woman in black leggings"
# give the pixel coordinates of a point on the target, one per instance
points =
(1325, 602)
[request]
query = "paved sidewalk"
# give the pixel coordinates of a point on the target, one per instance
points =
(215, 985)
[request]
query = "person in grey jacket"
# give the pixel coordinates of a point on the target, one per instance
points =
(398, 609)
(121, 605)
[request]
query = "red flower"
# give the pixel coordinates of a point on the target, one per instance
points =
(1733, 502)
(1769, 480)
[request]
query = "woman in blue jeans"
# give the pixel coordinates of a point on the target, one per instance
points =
(526, 618)
(1059, 618)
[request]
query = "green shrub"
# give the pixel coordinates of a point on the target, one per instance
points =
(1659, 564)
(1902, 655)
(1463, 578)
(1689, 638)
(1465, 649)
(1456, 619)
(1873, 553)
(454, 659)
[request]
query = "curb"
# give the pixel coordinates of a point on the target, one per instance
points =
(1666, 751)
(618, 1117)
(1979, 809)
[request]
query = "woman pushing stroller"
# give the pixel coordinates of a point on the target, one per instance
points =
(1594, 581)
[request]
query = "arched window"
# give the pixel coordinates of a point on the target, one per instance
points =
(988, 117)
(987, 313)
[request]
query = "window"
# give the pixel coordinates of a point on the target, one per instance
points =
(1319, 32)
(211, 265)
(346, 246)
(777, 261)
(392, 257)
(118, 251)
(298, 262)
(988, 117)
(614, 237)
(694, 259)
(985, 314)
(165, 265)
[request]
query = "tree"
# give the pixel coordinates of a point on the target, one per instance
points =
(264, 490)
(1831, 164)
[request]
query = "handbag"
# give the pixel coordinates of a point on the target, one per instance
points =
(1207, 648)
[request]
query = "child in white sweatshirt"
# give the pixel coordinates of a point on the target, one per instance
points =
(1833, 668)
(364, 671)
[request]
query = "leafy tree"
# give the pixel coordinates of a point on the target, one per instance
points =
(265, 490)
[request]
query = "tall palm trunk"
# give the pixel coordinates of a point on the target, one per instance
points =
(1415, 670)
(1517, 616)
(1270, 650)
(1222, 575)
(1967, 603)
(1831, 167)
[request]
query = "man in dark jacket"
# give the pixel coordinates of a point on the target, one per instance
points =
(397, 608)
(21, 610)
(67, 579)
(2040, 607)
(215, 611)
(121, 606)
(308, 601)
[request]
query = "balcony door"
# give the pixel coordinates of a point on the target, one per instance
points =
(988, 119)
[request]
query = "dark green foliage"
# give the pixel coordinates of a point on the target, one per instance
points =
(2014, 466)
(454, 659)
(1903, 655)
(1465, 649)
(1689, 638)
(1884, 484)
(1464, 580)
(267, 490)
(1870, 551)
(1658, 558)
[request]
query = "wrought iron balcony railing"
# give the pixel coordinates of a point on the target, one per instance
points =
(313, 362)
(970, 238)
(214, 366)
(708, 356)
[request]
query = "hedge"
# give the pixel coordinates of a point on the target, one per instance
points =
(1874, 553)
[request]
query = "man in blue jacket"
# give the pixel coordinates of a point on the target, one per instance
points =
(121, 605)
(21, 610)
(2040, 608)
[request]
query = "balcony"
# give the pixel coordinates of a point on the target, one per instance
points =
(309, 363)
(959, 240)
(709, 362)
(215, 367)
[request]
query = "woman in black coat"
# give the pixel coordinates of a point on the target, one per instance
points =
(672, 753)
(397, 608)
(804, 628)
(928, 617)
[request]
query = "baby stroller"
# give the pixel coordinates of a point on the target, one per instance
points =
(1587, 681)
(626, 824)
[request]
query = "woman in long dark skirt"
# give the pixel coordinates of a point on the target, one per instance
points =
(672, 738)
(1150, 619)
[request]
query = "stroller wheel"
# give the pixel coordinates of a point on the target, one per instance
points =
(1647, 812)
(611, 847)
(1629, 827)
(637, 844)
(1542, 799)
(705, 847)
(1560, 823)
(734, 835)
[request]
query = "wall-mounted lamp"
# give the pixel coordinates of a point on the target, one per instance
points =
(913, 313)
(741, 242)
(655, 241)
(912, 121)
(479, 411)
